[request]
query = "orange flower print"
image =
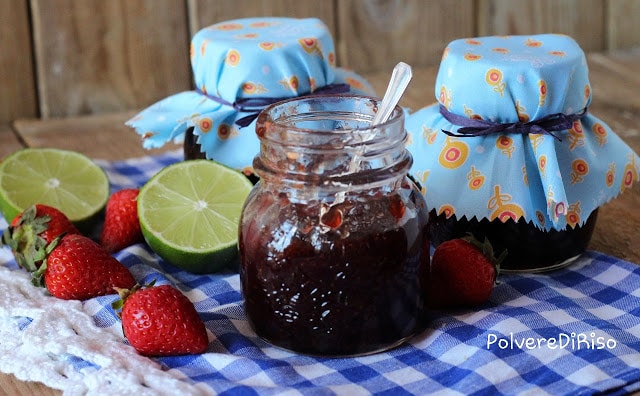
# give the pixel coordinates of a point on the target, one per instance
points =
(475, 178)
(445, 97)
(600, 132)
(540, 217)
(148, 135)
(229, 26)
(267, 45)
(533, 43)
(536, 140)
(233, 58)
(500, 50)
(331, 58)
(542, 92)
(473, 42)
(429, 134)
(587, 93)
(629, 174)
(260, 24)
(445, 54)
(573, 215)
(542, 164)
(205, 124)
(472, 57)
(291, 83)
(469, 113)
(224, 131)
(610, 176)
(203, 47)
(354, 83)
(447, 210)
(422, 177)
(310, 45)
(493, 77)
(525, 176)
(501, 207)
(576, 135)
(248, 171)
(454, 154)
(522, 112)
(252, 88)
(557, 53)
(312, 84)
(505, 144)
(579, 169)
(559, 210)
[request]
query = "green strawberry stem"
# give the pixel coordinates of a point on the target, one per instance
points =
(125, 293)
(24, 239)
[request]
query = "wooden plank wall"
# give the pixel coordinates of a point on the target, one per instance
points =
(61, 58)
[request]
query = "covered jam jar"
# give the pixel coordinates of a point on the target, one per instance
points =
(239, 67)
(510, 151)
(333, 238)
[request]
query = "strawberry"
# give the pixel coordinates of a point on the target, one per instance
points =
(32, 230)
(161, 321)
(121, 224)
(463, 273)
(78, 268)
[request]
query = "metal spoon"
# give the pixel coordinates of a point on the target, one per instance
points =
(398, 83)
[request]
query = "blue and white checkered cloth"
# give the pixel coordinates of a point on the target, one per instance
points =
(575, 331)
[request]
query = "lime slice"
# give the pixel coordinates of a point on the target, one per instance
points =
(189, 214)
(64, 179)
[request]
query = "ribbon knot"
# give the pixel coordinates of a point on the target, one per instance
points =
(254, 106)
(477, 127)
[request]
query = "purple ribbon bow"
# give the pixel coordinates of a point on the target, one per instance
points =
(255, 105)
(477, 127)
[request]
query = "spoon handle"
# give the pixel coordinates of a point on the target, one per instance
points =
(399, 81)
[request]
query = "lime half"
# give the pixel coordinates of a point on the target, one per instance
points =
(189, 214)
(64, 179)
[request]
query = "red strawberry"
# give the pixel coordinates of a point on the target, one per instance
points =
(32, 230)
(463, 273)
(77, 267)
(161, 321)
(121, 224)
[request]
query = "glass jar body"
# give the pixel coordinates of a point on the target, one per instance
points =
(529, 248)
(328, 267)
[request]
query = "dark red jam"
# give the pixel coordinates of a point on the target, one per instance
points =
(529, 248)
(340, 280)
(192, 149)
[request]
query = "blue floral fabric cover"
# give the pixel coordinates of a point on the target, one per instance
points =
(244, 59)
(554, 180)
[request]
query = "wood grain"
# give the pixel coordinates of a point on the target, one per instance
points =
(581, 19)
(623, 30)
(10, 141)
(203, 13)
(375, 35)
(104, 56)
(11, 386)
(17, 82)
(99, 136)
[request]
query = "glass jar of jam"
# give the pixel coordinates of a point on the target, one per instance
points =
(333, 240)
(527, 245)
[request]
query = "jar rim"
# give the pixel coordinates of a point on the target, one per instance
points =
(282, 116)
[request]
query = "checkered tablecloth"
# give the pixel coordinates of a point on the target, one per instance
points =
(575, 331)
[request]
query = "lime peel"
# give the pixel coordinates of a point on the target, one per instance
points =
(64, 179)
(189, 214)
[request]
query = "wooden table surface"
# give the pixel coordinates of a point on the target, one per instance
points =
(616, 90)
